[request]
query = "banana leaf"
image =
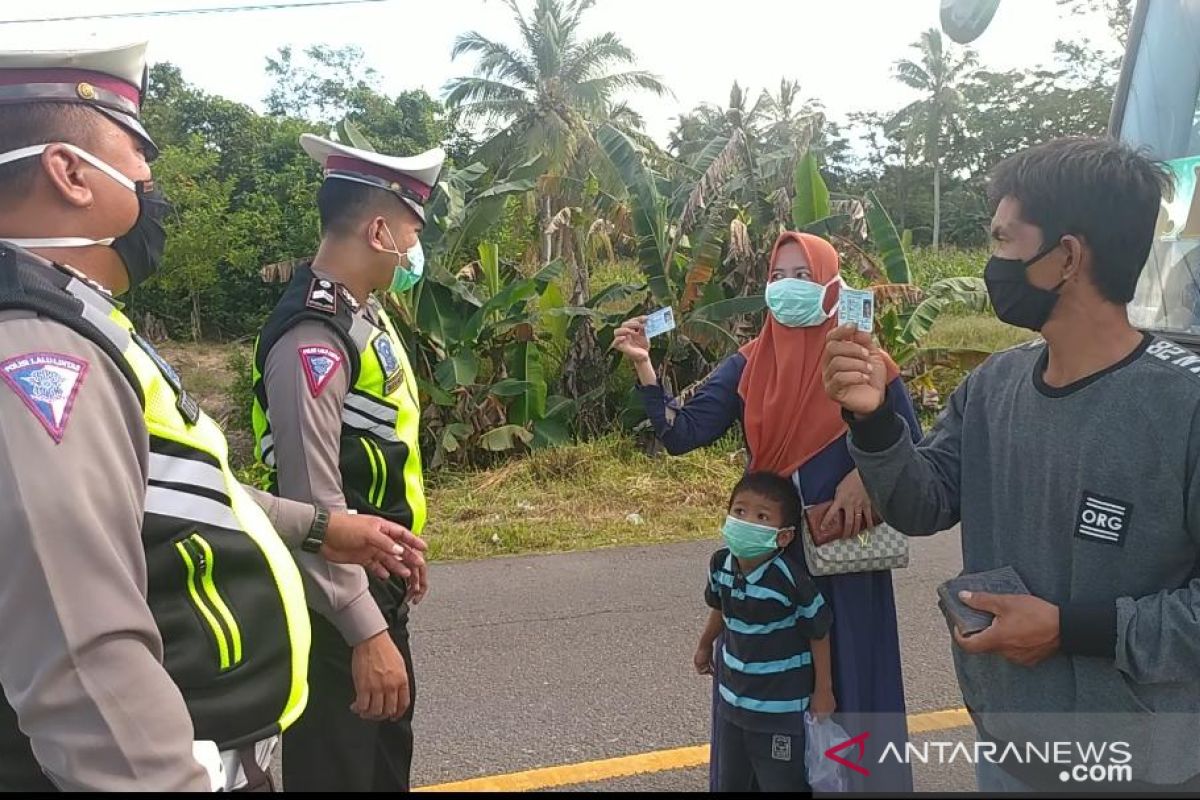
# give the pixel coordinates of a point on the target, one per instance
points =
(811, 201)
(888, 241)
(970, 293)
(505, 437)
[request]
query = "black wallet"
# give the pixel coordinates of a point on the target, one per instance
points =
(1004, 580)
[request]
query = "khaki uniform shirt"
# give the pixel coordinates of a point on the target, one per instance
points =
(80, 654)
(307, 425)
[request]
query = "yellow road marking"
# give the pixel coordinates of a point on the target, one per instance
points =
(938, 720)
(645, 763)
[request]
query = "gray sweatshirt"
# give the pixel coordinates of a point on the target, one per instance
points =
(1092, 493)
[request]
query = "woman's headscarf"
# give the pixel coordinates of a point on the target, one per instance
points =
(787, 415)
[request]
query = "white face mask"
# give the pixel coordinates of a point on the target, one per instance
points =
(66, 241)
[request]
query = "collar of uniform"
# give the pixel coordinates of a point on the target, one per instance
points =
(91, 284)
(374, 307)
(99, 288)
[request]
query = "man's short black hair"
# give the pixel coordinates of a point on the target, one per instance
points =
(772, 487)
(1096, 188)
(28, 124)
(344, 205)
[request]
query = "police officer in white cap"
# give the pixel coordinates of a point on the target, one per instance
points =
(336, 419)
(153, 634)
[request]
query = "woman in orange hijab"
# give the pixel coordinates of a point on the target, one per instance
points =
(773, 387)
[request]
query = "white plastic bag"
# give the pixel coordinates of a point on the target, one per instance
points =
(824, 774)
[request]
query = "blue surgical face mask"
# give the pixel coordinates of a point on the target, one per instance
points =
(748, 540)
(798, 303)
(410, 267)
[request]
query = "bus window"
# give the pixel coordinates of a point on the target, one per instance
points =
(1159, 110)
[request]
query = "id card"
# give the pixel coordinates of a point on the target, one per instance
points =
(660, 322)
(857, 307)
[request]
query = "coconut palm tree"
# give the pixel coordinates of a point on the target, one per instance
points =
(545, 97)
(790, 119)
(542, 96)
(935, 115)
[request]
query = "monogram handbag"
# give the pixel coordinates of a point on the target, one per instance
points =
(880, 547)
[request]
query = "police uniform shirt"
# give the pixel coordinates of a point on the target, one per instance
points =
(306, 396)
(82, 656)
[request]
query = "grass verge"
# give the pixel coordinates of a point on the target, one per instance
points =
(603, 493)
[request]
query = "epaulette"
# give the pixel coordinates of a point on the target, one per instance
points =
(323, 295)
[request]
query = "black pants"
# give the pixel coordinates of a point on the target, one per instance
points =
(330, 748)
(760, 762)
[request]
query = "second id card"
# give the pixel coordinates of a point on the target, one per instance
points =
(660, 322)
(857, 307)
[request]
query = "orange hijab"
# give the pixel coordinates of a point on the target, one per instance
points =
(787, 415)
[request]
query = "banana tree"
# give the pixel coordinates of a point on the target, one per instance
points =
(489, 389)
(906, 312)
(471, 325)
(680, 224)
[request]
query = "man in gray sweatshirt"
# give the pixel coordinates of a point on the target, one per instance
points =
(1075, 459)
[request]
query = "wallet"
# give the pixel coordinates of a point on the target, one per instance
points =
(1004, 580)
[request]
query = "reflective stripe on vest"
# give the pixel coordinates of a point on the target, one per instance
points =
(385, 424)
(191, 484)
(400, 410)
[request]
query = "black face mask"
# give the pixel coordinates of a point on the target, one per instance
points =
(1015, 299)
(142, 246)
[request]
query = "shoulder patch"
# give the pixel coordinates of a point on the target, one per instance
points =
(320, 364)
(322, 296)
(47, 383)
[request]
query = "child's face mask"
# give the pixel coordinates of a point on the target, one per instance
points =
(748, 540)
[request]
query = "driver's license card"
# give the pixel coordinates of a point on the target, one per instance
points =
(660, 322)
(857, 307)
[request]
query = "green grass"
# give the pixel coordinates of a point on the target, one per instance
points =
(211, 373)
(930, 266)
(964, 331)
(975, 332)
(581, 497)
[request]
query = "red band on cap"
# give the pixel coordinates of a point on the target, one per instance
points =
(349, 164)
(72, 77)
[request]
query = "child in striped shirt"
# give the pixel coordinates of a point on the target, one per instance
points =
(773, 664)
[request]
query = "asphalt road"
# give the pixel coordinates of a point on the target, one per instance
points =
(540, 661)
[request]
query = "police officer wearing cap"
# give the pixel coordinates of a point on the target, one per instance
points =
(336, 420)
(153, 632)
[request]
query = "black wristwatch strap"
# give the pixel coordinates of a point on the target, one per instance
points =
(316, 534)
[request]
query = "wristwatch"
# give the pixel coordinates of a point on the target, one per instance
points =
(316, 534)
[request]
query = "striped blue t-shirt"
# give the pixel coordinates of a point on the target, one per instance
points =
(764, 670)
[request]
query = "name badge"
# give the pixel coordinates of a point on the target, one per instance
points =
(389, 363)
